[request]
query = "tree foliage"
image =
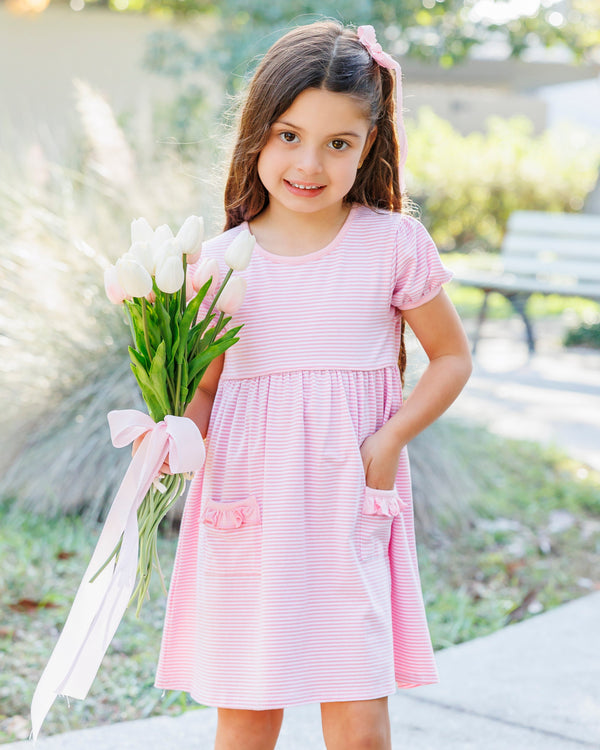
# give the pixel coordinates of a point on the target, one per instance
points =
(444, 31)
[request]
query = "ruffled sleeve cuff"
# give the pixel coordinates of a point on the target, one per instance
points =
(419, 271)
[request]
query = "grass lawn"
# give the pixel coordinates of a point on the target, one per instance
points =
(533, 543)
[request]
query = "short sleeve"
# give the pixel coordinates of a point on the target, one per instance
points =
(419, 271)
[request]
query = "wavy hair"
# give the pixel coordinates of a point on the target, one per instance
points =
(323, 55)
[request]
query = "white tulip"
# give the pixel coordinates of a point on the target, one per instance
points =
(169, 275)
(206, 268)
(141, 231)
(189, 237)
(133, 277)
(162, 234)
(167, 249)
(232, 296)
(143, 253)
(238, 254)
(114, 291)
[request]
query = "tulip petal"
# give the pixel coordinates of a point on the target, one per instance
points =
(232, 296)
(133, 277)
(239, 253)
(170, 275)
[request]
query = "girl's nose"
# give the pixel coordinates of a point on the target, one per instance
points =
(309, 161)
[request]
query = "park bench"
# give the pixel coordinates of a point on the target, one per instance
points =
(542, 253)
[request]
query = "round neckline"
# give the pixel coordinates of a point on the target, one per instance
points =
(316, 254)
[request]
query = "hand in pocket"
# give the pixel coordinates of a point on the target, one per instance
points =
(381, 455)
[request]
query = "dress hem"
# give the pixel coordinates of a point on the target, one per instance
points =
(402, 684)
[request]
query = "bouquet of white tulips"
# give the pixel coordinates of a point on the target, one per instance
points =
(173, 346)
(172, 349)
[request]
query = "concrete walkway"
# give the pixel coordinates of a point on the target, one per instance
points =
(551, 397)
(534, 685)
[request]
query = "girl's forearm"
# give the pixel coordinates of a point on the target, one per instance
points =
(436, 389)
(199, 409)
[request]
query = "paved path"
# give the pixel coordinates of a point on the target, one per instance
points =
(531, 686)
(552, 396)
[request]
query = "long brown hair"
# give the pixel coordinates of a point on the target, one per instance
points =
(323, 55)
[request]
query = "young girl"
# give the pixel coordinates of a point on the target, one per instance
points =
(296, 575)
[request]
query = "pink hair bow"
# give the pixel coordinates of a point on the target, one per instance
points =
(366, 36)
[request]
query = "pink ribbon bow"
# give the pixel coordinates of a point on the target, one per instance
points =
(99, 606)
(366, 36)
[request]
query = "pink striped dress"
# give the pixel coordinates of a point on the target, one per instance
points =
(294, 582)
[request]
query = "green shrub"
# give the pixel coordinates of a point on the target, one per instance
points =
(587, 334)
(467, 186)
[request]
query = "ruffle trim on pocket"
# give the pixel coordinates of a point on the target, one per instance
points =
(231, 515)
(382, 502)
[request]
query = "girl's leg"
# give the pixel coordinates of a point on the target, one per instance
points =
(251, 730)
(357, 725)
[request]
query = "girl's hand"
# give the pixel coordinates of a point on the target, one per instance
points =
(381, 455)
(164, 469)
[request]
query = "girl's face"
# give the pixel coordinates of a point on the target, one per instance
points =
(314, 149)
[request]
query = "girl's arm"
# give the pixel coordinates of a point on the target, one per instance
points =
(437, 326)
(200, 407)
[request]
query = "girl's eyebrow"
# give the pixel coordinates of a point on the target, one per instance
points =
(299, 129)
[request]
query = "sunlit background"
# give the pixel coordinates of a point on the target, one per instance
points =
(113, 110)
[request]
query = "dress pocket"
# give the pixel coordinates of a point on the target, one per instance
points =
(375, 521)
(232, 537)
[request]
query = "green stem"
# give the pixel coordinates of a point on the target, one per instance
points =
(218, 294)
(145, 321)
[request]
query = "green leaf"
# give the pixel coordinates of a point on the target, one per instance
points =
(164, 323)
(138, 328)
(158, 376)
(153, 404)
(138, 357)
(203, 359)
(187, 320)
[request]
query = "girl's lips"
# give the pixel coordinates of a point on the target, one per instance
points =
(309, 191)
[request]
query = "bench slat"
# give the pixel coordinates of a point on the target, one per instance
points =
(578, 272)
(551, 248)
(510, 283)
(545, 222)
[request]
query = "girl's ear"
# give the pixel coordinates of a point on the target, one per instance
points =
(368, 143)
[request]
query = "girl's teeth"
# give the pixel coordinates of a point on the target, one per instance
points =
(305, 187)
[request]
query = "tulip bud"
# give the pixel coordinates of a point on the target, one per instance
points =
(189, 237)
(206, 268)
(133, 277)
(114, 291)
(142, 252)
(189, 287)
(238, 254)
(169, 275)
(232, 296)
(162, 234)
(141, 231)
(167, 249)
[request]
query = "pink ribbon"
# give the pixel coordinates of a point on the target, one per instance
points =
(99, 606)
(366, 36)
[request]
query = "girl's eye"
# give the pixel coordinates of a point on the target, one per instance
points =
(338, 144)
(288, 137)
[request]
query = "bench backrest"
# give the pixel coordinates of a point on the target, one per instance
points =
(554, 247)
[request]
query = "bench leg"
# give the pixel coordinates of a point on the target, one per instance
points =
(480, 319)
(519, 302)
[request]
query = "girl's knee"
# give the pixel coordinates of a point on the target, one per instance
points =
(356, 725)
(255, 730)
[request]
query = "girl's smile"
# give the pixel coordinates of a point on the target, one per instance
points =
(314, 150)
(304, 189)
